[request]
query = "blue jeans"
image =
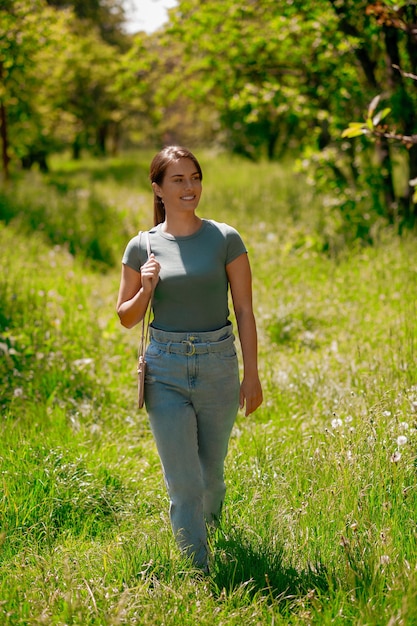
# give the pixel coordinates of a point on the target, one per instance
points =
(192, 398)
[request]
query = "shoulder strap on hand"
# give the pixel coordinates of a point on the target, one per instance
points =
(145, 325)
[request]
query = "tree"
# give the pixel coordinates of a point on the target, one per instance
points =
(22, 26)
(157, 108)
(397, 24)
(261, 66)
(106, 15)
(294, 73)
(58, 78)
(81, 84)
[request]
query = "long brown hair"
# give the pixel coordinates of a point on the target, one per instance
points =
(159, 164)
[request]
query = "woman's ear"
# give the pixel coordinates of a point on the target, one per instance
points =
(157, 190)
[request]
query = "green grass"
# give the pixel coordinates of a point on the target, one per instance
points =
(320, 519)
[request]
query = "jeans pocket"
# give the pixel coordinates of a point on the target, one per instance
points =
(153, 351)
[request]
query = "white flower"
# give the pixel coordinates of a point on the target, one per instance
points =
(18, 392)
(337, 422)
(396, 456)
(82, 362)
(402, 440)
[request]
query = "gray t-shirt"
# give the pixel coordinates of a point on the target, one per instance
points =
(192, 292)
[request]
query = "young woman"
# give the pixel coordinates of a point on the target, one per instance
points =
(192, 389)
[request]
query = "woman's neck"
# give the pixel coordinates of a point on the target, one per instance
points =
(181, 227)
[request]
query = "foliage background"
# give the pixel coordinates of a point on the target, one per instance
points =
(264, 79)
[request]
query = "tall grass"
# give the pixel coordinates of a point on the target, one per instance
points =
(319, 525)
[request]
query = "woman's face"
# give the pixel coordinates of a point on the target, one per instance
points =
(181, 187)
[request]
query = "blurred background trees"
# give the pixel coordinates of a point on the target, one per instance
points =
(263, 79)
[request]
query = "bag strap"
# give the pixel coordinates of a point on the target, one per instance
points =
(147, 314)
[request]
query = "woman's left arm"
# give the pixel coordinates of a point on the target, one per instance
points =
(240, 279)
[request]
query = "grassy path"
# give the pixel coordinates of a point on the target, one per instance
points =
(320, 519)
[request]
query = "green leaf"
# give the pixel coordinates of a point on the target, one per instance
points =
(369, 123)
(355, 129)
(380, 116)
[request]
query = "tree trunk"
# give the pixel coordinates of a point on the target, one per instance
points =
(385, 164)
(397, 84)
(76, 148)
(101, 139)
(271, 144)
(411, 208)
(4, 134)
(115, 137)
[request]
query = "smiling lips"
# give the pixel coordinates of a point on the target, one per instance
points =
(187, 197)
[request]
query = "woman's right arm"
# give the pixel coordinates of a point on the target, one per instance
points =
(136, 290)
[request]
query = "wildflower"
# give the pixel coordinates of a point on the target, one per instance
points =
(402, 440)
(404, 425)
(82, 362)
(384, 560)
(18, 392)
(337, 422)
(396, 456)
(386, 413)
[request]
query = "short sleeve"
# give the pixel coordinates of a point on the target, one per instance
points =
(135, 255)
(235, 245)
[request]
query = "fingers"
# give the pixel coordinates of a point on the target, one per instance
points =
(251, 395)
(250, 404)
(253, 406)
(151, 263)
(150, 271)
(151, 267)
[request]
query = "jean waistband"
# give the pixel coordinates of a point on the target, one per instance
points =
(193, 343)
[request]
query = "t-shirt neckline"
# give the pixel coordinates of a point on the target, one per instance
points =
(198, 232)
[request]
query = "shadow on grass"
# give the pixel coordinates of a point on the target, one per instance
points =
(121, 172)
(263, 569)
(84, 223)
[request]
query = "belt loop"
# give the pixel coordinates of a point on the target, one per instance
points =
(169, 347)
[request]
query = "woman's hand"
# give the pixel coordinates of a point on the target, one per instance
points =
(250, 393)
(150, 274)
(135, 292)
